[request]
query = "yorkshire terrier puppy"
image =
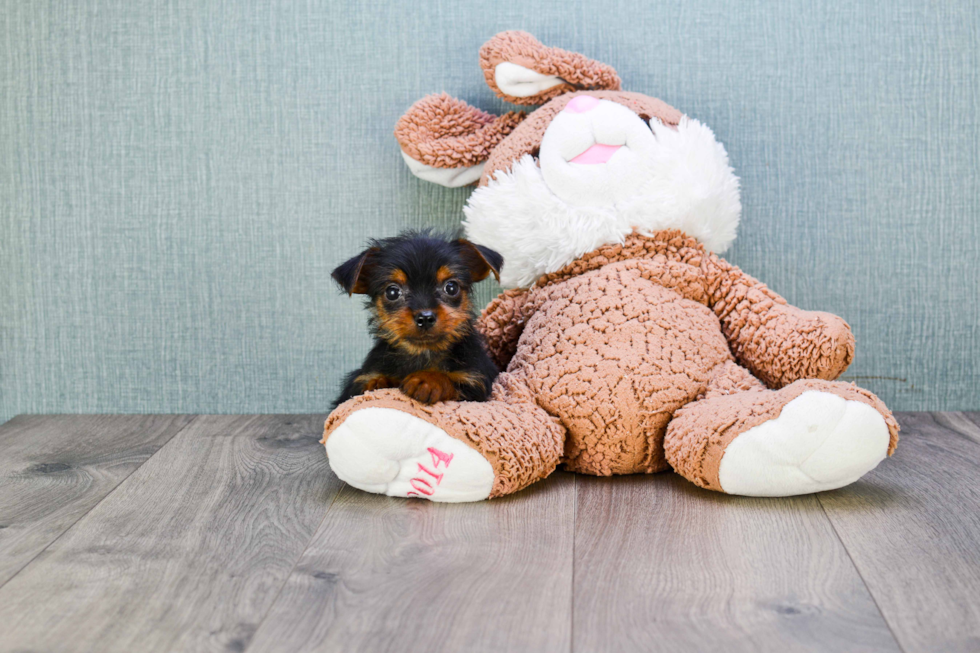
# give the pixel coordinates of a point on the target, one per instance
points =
(418, 288)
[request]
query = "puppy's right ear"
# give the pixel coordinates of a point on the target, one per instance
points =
(353, 275)
(481, 261)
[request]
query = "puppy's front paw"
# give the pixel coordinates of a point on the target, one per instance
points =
(429, 387)
(377, 382)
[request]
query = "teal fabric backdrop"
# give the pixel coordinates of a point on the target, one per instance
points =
(177, 179)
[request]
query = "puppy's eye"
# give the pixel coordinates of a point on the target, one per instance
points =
(451, 288)
(392, 293)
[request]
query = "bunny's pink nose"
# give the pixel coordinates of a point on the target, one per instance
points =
(582, 103)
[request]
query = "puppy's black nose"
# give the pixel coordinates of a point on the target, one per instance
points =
(425, 319)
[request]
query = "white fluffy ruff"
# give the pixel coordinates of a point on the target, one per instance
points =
(691, 187)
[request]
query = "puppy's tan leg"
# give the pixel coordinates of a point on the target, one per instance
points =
(429, 387)
(375, 381)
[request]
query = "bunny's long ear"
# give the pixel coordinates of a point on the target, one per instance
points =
(521, 70)
(446, 141)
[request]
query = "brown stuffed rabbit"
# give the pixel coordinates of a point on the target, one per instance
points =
(628, 346)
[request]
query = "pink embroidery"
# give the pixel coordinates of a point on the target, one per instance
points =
(427, 491)
(437, 457)
(434, 475)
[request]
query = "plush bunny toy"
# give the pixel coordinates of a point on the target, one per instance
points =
(628, 345)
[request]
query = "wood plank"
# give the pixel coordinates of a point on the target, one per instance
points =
(55, 468)
(912, 527)
(661, 565)
(385, 574)
(188, 553)
(965, 424)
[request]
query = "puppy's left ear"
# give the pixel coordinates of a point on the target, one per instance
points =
(352, 275)
(480, 260)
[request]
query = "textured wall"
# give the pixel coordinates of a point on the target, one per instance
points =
(177, 179)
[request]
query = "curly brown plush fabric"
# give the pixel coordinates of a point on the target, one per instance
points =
(779, 343)
(622, 362)
(444, 132)
(526, 137)
(502, 324)
(577, 71)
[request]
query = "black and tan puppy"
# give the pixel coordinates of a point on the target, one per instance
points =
(418, 287)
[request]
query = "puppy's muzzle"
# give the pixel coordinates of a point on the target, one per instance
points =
(425, 320)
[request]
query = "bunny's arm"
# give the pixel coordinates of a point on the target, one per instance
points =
(502, 323)
(777, 342)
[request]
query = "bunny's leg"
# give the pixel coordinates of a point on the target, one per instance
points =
(387, 443)
(810, 436)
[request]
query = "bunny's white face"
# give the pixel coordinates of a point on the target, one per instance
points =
(603, 172)
(596, 153)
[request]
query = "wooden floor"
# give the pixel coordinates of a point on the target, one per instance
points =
(230, 533)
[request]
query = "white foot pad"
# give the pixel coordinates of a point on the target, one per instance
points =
(386, 451)
(819, 441)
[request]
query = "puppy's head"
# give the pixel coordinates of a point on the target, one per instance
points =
(418, 287)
